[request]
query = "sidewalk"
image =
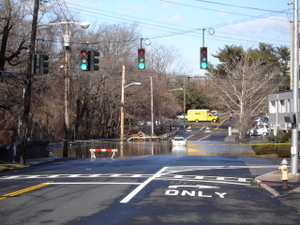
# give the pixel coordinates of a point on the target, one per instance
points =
(272, 183)
(275, 184)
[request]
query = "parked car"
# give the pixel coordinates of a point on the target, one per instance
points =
(259, 130)
(179, 141)
(189, 129)
(181, 117)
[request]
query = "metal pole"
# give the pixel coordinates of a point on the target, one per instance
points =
(184, 100)
(203, 33)
(294, 144)
(152, 111)
(122, 106)
(66, 95)
(141, 42)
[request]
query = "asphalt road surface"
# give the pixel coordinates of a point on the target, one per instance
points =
(157, 189)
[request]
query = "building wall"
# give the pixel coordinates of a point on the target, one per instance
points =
(280, 105)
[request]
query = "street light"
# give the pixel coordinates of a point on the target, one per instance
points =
(184, 97)
(84, 25)
(135, 83)
(66, 37)
(123, 102)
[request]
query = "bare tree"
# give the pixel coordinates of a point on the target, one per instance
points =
(246, 87)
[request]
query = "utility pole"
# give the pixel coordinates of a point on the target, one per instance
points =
(27, 96)
(152, 110)
(67, 90)
(122, 106)
(294, 144)
(184, 102)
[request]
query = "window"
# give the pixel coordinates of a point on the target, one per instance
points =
(272, 107)
(282, 106)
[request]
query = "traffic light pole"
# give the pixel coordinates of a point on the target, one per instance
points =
(211, 31)
(294, 142)
(203, 31)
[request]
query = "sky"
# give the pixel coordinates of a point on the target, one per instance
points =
(182, 24)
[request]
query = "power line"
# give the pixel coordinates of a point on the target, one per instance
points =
(176, 31)
(217, 10)
(237, 6)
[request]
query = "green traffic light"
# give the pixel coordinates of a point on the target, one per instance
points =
(141, 66)
(203, 65)
(84, 67)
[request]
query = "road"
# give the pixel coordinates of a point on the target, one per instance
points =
(156, 189)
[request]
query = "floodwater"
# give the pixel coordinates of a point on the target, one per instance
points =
(82, 149)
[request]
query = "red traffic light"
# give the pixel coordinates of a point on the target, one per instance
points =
(204, 50)
(141, 51)
(84, 53)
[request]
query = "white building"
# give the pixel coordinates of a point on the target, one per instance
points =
(280, 105)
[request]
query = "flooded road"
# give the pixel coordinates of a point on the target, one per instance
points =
(82, 149)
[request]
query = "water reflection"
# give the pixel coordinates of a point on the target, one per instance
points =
(179, 149)
(82, 150)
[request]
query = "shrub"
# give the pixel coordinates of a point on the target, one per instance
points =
(286, 137)
(264, 149)
(283, 151)
(277, 138)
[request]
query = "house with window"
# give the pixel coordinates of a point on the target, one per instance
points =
(280, 106)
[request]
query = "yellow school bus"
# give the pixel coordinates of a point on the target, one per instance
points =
(198, 115)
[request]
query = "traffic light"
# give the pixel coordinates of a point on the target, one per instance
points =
(43, 64)
(203, 58)
(94, 60)
(33, 64)
(141, 59)
(85, 58)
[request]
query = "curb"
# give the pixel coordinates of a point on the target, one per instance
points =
(271, 190)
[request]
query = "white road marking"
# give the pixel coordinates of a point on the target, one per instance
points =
(179, 169)
(75, 175)
(215, 181)
(11, 177)
(141, 186)
(95, 175)
(92, 183)
(193, 186)
(54, 176)
(33, 176)
(136, 175)
(221, 194)
(242, 179)
(161, 176)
